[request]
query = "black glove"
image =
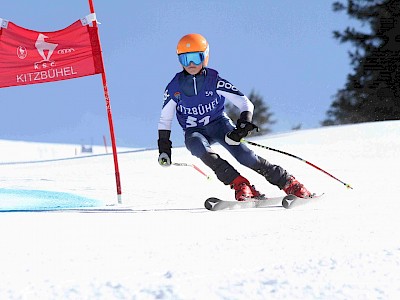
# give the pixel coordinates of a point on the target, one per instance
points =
(164, 148)
(164, 160)
(243, 129)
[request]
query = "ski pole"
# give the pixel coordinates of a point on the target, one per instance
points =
(193, 166)
(294, 156)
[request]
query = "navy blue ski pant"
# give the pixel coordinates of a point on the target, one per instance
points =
(199, 140)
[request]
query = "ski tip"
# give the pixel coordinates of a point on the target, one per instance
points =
(211, 202)
(287, 201)
(291, 201)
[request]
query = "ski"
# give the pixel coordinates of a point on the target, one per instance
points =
(288, 202)
(215, 204)
(291, 201)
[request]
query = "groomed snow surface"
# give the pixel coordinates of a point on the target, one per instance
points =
(167, 246)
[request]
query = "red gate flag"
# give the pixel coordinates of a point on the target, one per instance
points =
(29, 57)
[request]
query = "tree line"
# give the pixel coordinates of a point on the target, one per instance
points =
(372, 90)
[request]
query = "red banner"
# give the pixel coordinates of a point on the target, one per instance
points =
(29, 57)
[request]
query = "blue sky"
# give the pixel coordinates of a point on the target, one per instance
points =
(281, 49)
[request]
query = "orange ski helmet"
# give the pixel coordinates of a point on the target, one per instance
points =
(194, 42)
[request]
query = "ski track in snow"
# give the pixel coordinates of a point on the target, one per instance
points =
(162, 244)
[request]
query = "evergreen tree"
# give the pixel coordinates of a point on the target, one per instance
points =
(262, 116)
(372, 91)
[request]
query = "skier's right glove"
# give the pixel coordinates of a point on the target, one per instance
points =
(164, 148)
(164, 160)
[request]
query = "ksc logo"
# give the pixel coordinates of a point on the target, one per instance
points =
(44, 48)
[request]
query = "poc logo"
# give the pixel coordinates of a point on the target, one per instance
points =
(226, 85)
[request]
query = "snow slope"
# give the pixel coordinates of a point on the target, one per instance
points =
(346, 246)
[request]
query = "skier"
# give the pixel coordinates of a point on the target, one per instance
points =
(197, 95)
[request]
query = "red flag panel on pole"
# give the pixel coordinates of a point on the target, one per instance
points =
(29, 57)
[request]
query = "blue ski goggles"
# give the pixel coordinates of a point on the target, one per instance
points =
(195, 57)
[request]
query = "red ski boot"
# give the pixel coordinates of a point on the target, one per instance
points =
(294, 187)
(243, 190)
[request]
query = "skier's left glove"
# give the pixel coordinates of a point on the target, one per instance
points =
(243, 129)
